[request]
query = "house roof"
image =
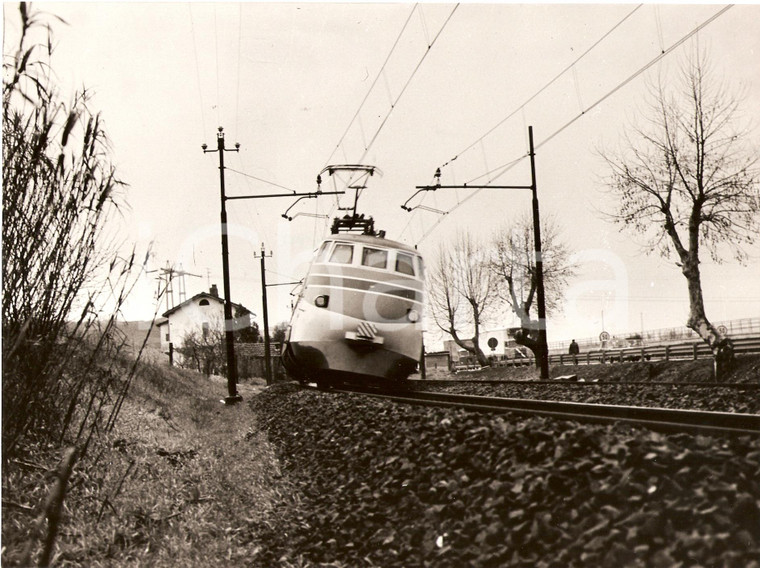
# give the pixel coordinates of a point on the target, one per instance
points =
(208, 296)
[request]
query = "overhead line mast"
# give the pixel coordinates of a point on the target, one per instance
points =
(233, 396)
(543, 352)
(229, 335)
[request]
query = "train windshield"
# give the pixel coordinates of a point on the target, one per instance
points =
(374, 258)
(322, 253)
(342, 254)
(404, 263)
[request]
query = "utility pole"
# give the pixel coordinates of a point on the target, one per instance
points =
(543, 349)
(542, 339)
(267, 358)
(233, 396)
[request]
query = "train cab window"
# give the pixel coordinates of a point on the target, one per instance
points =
(404, 263)
(420, 268)
(374, 258)
(322, 253)
(342, 254)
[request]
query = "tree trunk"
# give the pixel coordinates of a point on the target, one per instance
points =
(721, 346)
(474, 348)
(528, 337)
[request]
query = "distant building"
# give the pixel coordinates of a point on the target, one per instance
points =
(494, 342)
(201, 314)
(455, 352)
(438, 360)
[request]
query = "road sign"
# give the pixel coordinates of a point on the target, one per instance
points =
(604, 336)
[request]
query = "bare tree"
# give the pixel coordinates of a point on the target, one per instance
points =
(514, 264)
(462, 291)
(202, 349)
(686, 181)
(203, 346)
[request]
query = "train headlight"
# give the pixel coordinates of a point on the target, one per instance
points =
(413, 316)
(322, 301)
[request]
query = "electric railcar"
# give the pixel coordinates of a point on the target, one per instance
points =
(358, 316)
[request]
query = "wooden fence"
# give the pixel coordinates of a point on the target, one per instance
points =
(688, 350)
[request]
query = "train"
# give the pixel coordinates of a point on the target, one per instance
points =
(358, 315)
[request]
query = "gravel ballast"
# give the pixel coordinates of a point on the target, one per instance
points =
(379, 484)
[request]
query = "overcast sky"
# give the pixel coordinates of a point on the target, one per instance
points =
(292, 84)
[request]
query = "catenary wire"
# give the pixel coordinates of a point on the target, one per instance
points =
(401, 93)
(614, 90)
(372, 86)
(547, 85)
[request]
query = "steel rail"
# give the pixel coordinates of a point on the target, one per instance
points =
(417, 383)
(661, 419)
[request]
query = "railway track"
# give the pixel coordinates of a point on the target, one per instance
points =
(661, 419)
(419, 383)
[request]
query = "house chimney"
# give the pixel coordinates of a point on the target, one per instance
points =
(214, 291)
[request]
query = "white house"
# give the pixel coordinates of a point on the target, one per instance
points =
(202, 313)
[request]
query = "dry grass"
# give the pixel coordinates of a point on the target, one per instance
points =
(183, 480)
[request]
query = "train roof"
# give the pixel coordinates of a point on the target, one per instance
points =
(368, 239)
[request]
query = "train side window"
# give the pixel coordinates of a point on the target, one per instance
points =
(374, 258)
(404, 263)
(342, 254)
(322, 253)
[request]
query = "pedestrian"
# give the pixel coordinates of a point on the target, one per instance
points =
(573, 351)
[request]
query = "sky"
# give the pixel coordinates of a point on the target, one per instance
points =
(406, 88)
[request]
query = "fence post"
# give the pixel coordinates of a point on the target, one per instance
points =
(694, 348)
(667, 352)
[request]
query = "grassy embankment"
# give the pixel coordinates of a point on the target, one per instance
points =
(181, 481)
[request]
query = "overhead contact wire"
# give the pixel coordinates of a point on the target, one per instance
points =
(372, 86)
(546, 86)
(408, 82)
(619, 86)
(403, 90)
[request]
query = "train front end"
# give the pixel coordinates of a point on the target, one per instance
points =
(358, 317)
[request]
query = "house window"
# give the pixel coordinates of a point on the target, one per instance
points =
(167, 337)
(205, 329)
(203, 302)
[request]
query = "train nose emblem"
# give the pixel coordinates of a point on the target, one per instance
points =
(365, 330)
(366, 333)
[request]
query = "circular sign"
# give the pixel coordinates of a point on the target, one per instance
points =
(604, 336)
(492, 343)
(722, 329)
